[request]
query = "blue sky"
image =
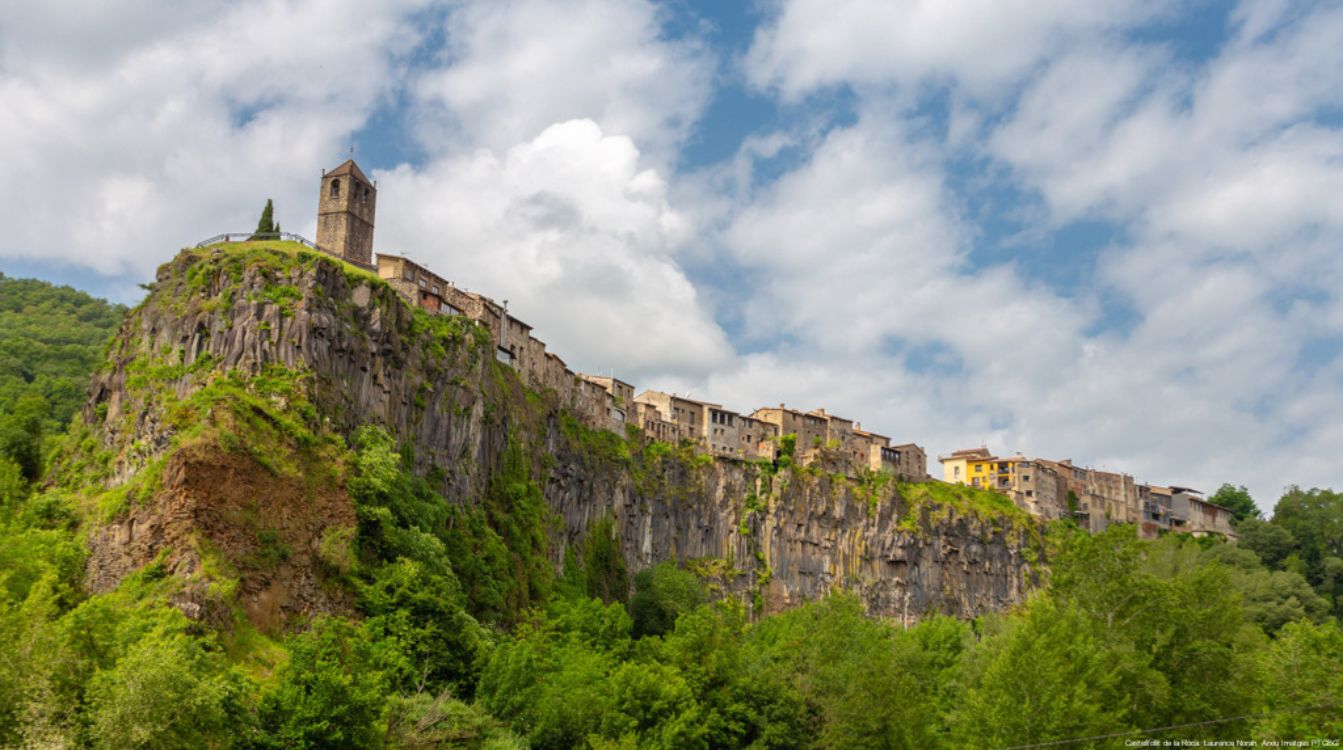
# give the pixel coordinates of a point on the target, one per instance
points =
(1103, 231)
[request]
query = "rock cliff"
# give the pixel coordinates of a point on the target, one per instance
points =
(215, 435)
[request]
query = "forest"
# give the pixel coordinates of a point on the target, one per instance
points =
(463, 636)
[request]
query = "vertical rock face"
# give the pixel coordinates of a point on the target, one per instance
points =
(807, 538)
(776, 538)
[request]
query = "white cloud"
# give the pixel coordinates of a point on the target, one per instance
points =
(577, 232)
(515, 68)
(1226, 156)
(550, 129)
(119, 148)
(980, 44)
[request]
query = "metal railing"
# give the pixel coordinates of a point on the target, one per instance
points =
(255, 237)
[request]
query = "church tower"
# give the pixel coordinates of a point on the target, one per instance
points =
(345, 210)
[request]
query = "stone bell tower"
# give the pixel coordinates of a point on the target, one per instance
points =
(345, 210)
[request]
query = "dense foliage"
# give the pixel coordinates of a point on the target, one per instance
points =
(51, 338)
(1303, 540)
(464, 637)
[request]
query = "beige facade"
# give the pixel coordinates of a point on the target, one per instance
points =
(346, 206)
(691, 417)
(418, 284)
(620, 405)
(810, 429)
(838, 434)
(654, 425)
(1102, 497)
(758, 439)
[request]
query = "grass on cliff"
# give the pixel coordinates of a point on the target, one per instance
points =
(939, 499)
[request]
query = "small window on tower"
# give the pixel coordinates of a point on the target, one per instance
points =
(335, 188)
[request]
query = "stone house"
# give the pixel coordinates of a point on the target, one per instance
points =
(1206, 518)
(838, 433)
(758, 439)
(810, 429)
(910, 460)
(874, 451)
(621, 402)
(689, 416)
(1180, 509)
(722, 432)
(651, 421)
(1102, 497)
(418, 284)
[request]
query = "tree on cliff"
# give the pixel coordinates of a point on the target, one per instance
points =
(267, 224)
(1237, 500)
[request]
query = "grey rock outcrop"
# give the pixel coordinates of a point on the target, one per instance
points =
(775, 540)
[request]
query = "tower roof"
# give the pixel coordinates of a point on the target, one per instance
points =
(349, 167)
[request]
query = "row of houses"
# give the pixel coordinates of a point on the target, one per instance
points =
(1094, 498)
(347, 204)
(603, 402)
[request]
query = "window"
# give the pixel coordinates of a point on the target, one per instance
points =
(956, 472)
(422, 284)
(436, 289)
(335, 188)
(408, 273)
(1025, 477)
(1030, 493)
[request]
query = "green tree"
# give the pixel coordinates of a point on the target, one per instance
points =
(1237, 500)
(330, 694)
(1302, 683)
(1270, 598)
(21, 433)
(13, 487)
(167, 692)
(661, 594)
(1045, 676)
(266, 224)
(1315, 519)
(423, 611)
(866, 685)
(1271, 542)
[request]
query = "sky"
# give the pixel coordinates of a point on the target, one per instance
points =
(1105, 231)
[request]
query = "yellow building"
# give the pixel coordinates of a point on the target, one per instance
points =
(1033, 487)
(977, 467)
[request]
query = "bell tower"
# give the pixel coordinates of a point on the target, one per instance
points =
(345, 210)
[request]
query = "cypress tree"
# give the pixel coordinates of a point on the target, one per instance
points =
(267, 223)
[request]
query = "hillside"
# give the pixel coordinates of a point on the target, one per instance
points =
(297, 512)
(51, 338)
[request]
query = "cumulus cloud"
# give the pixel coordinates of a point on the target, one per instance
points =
(846, 256)
(1230, 155)
(979, 44)
(577, 232)
(1223, 175)
(514, 68)
(120, 147)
